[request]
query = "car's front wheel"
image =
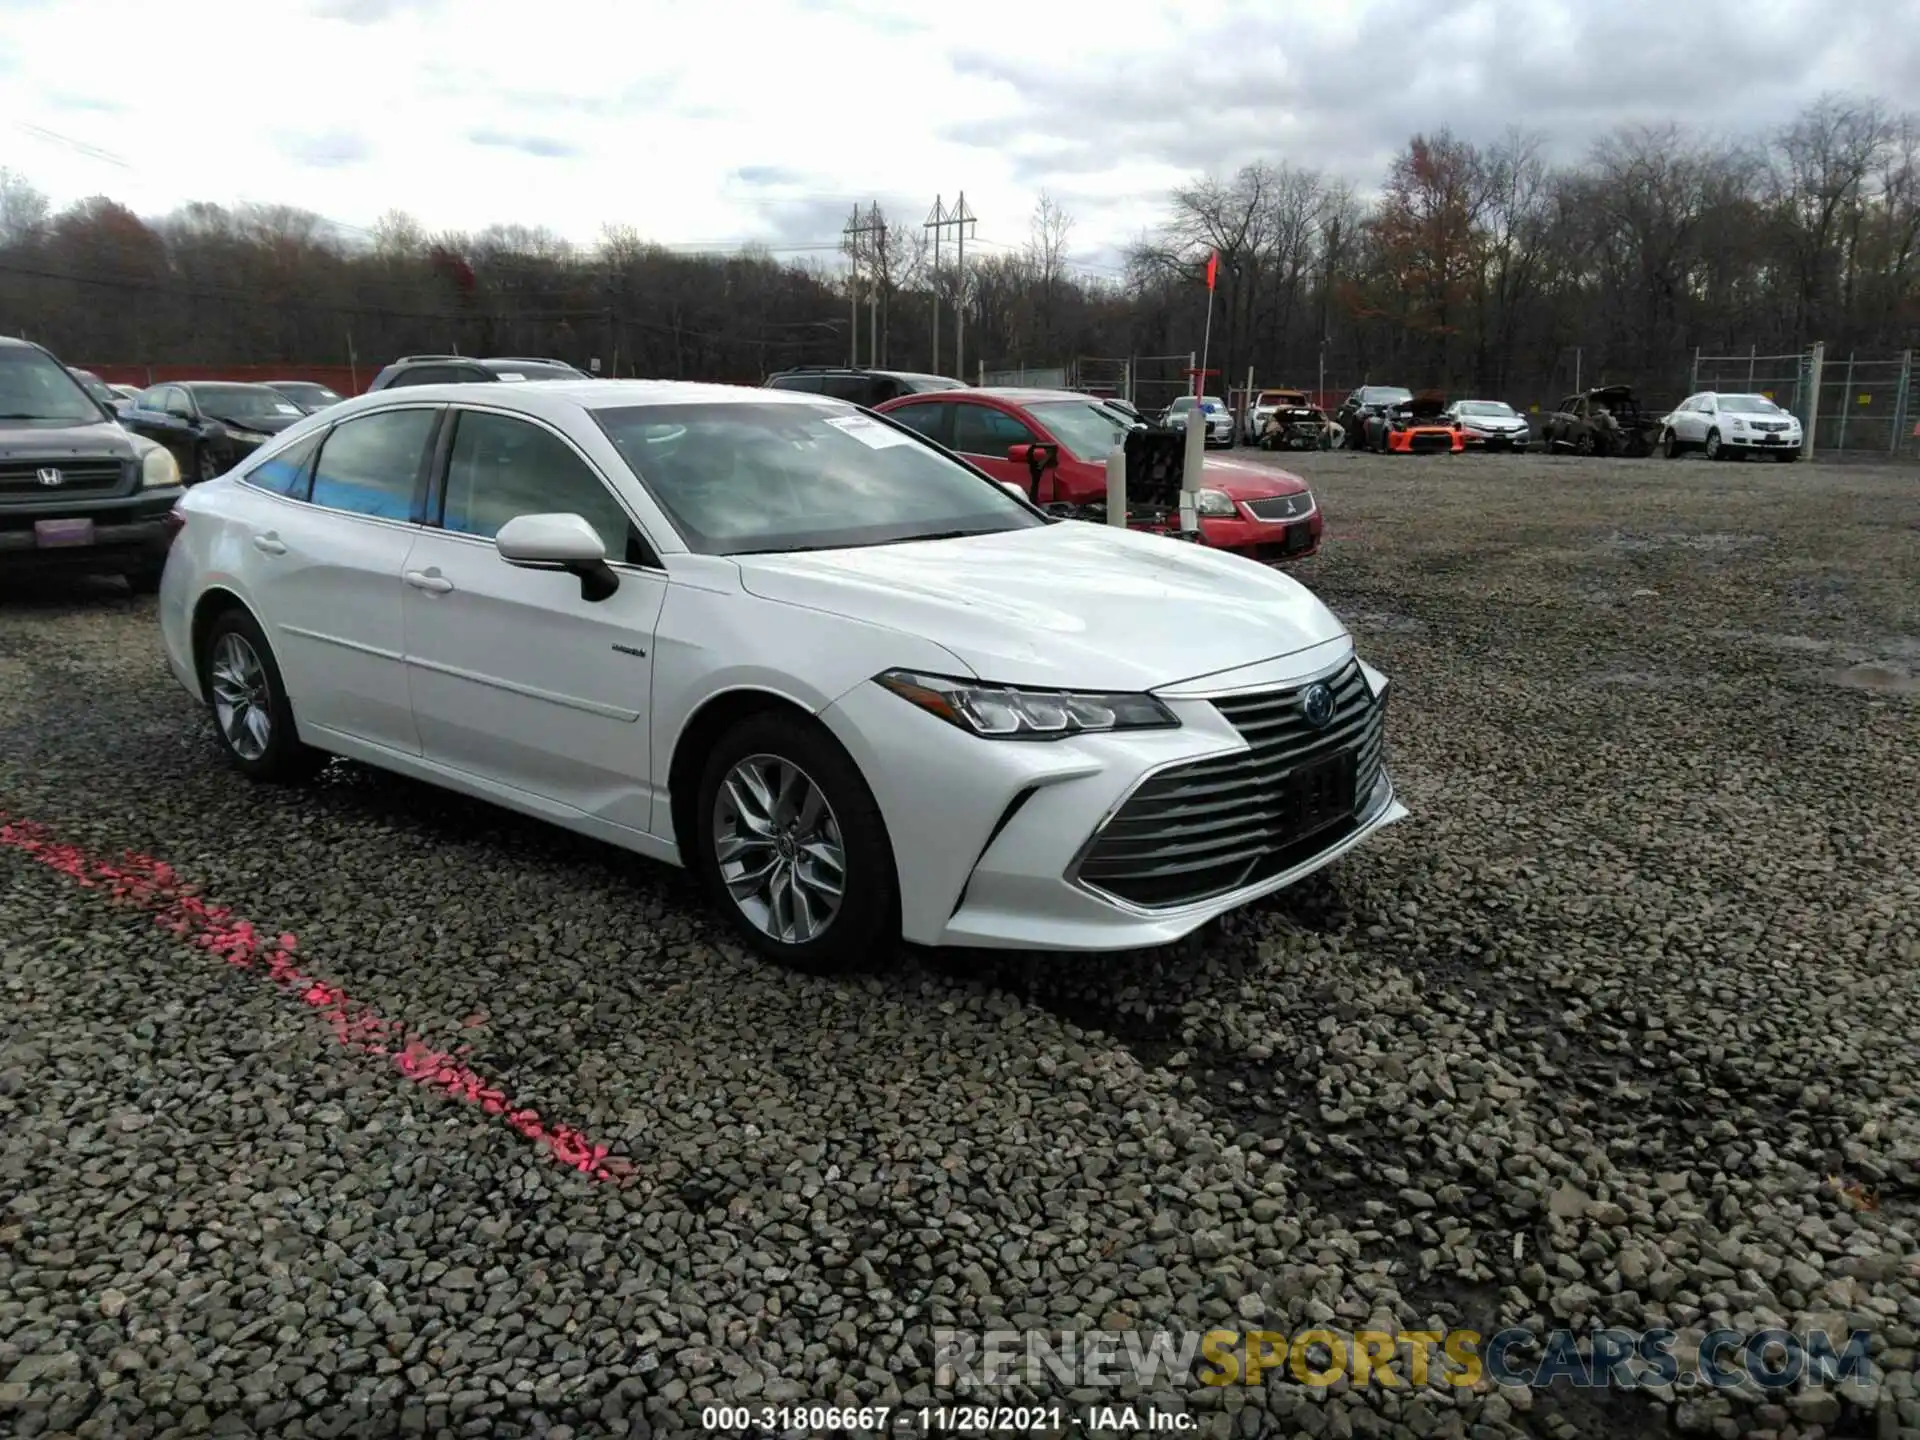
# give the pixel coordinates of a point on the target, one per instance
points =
(1715, 450)
(1670, 445)
(251, 713)
(793, 847)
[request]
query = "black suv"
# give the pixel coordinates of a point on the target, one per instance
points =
(77, 491)
(863, 387)
(465, 369)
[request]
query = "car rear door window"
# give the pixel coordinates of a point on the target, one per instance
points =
(371, 465)
(980, 430)
(808, 383)
(287, 472)
(859, 389)
(501, 468)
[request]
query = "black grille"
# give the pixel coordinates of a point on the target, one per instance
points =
(1279, 507)
(1422, 441)
(22, 477)
(1204, 829)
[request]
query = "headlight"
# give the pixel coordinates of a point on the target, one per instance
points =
(246, 437)
(998, 712)
(1216, 503)
(158, 468)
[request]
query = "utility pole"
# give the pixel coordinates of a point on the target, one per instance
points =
(939, 220)
(937, 223)
(858, 228)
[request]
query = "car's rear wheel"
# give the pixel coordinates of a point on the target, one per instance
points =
(793, 847)
(1583, 443)
(251, 713)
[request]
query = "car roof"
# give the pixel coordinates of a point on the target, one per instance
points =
(552, 399)
(223, 384)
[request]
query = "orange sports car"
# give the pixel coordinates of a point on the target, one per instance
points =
(1416, 427)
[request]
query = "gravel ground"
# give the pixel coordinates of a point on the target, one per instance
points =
(1619, 1027)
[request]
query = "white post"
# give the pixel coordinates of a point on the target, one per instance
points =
(1190, 471)
(1813, 398)
(1117, 484)
(1246, 399)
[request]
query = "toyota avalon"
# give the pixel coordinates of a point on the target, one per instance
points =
(846, 677)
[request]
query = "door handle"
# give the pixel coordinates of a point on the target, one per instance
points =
(270, 544)
(432, 581)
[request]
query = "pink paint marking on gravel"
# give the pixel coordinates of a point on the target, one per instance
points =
(155, 887)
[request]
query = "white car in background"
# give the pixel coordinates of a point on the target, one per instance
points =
(859, 687)
(1219, 421)
(1727, 427)
(1490, 424)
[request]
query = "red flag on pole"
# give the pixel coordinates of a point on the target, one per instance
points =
(1213, 267)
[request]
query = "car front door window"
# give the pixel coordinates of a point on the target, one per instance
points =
(501, 468)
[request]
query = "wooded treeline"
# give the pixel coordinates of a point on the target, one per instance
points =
(1476, 267)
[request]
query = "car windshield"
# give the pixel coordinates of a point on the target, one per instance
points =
(1748, 405)
(308, 392)
(1213, 405)
(1281, 397)
(97, 388)
(745, 478)
(1089, 431)
(1486, 407)
(36, 388)
(1385, 395)
(237, 402)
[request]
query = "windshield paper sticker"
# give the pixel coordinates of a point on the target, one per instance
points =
(869, 433)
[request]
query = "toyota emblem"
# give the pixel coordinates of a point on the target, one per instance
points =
(47, 475)
(1317, 705)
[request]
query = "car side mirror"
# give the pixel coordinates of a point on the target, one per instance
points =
(1035, 457)
(559, 542)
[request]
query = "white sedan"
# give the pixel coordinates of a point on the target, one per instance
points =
(858, 686)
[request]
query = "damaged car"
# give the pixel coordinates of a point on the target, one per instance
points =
(210, 425)
(1606, 420)
(1288, 420)
(1417, 425)
(1362, 406)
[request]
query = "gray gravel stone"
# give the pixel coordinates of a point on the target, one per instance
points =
(1619, 1027)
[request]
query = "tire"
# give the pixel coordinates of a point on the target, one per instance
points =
(145, 579)
(865, 924)
(1670, 445)
(235, 645)
(1786, 457)
(1583, 443)
(206, 465)
(1715, 450)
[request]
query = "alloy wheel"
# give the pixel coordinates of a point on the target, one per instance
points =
(242, 700)
(779, 848)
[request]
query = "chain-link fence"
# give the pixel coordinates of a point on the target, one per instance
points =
(1866, 403)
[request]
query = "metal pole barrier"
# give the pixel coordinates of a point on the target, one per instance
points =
(1196, 460)
(1117, 484)
(1693, 380)
(1817, 364)
(1900, 402)
(1752, 352)
(1846, 404)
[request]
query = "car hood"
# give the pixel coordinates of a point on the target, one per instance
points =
(64, 442)
(261, 424)
(1249, 482)
(1069, 605)
(1494, 422)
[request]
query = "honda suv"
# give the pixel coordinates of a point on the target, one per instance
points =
(464, 369)
(77, 491)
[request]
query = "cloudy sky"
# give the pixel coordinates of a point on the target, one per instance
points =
(735, 120)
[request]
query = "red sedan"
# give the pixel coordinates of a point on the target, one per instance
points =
(1262, 513)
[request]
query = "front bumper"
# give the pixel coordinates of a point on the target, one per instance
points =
(1425, 441)
(1270, 542)
(1771, 443)
(1498, 440)
(990, 837)
(129, 532)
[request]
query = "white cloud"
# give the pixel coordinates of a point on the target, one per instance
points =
(741, 119)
